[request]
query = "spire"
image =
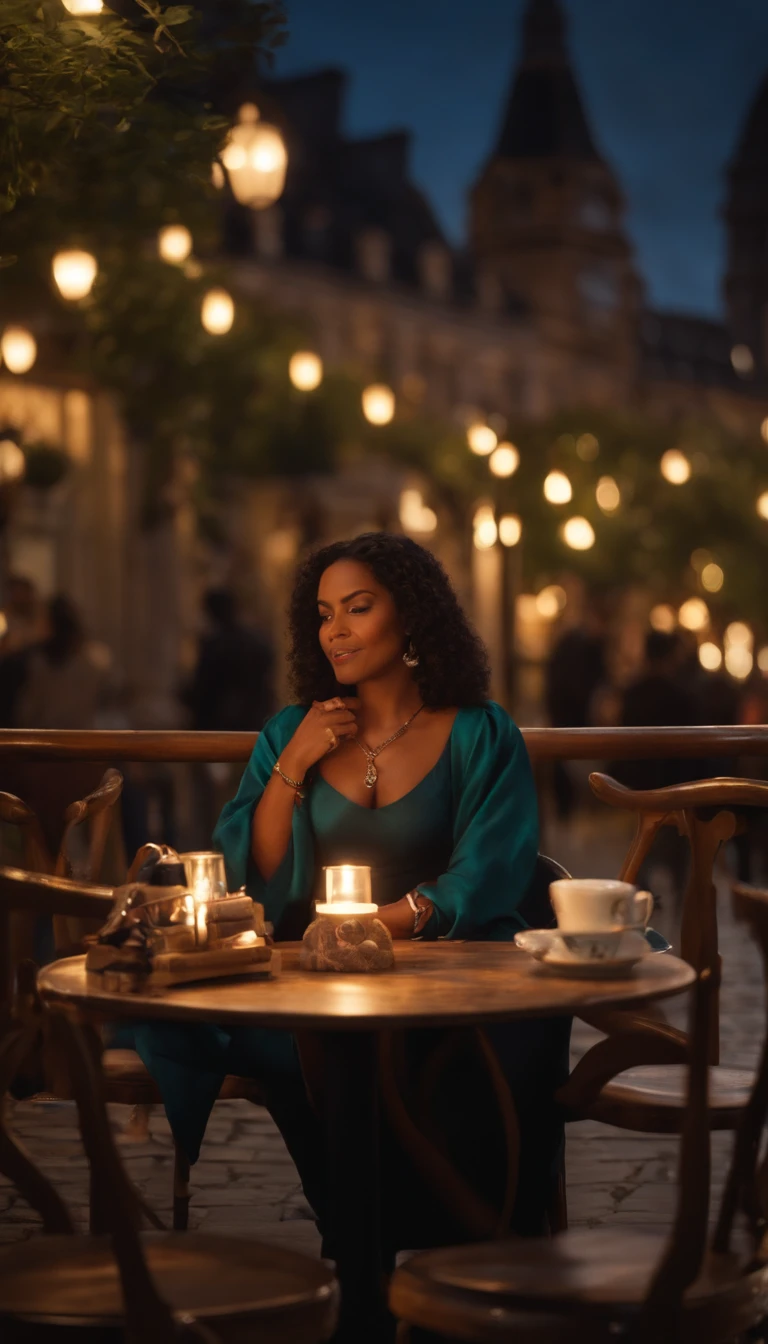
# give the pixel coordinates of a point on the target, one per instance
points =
(545, 117)
(544, 34)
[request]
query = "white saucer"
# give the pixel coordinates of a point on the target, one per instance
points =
(548, 947)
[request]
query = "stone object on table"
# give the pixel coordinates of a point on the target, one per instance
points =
(352, 943)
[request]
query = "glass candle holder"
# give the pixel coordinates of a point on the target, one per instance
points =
(207, 880)
(347, 891)
(205, 874)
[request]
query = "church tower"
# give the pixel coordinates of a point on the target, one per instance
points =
(746, 215)
(546, 226)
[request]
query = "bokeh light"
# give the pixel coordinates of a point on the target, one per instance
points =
(19, 349)
(557, 488)
(415, 515)
(608, 494)
(174, 243)
(485, 529)
(550, 601)
(762, 504)
(712, 577)
(481, 438)
(578, 533)
(587, 447)
(504, 460)
(217, 312)
(743, 361)
(739, 661)
(12, 461)
(762, 659)
(710, 656)
(510, 529)
(739, 634)
(305, 370)
(694, 614)
(74, 272)
(378, 404)
(663, 617)
(675, 467)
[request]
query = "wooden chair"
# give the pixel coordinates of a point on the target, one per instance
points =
(607, 1283)
(649, 1092)
(126, 1080)
(96, 808)
(122, 1286)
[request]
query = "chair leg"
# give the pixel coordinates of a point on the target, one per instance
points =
(181, 1195)
(558, 1208)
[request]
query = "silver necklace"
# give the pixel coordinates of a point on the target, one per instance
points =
(371, 774)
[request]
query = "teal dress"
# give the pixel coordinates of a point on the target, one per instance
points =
(466, 836)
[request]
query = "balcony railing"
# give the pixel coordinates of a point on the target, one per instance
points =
(573, 744)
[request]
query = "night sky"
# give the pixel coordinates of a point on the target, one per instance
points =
(666, 83)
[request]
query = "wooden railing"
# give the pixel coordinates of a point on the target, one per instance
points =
(574, 744)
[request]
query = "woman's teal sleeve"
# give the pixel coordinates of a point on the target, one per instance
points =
(495, 831)
(286, 895)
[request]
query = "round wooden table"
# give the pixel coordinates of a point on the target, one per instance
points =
(433, 984)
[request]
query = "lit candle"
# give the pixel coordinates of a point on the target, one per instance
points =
(347, 891)
(201, 924)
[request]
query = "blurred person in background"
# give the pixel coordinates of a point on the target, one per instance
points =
(67, 677)
(24, 628)
(657, 698)
(574, 672)
(230, 690)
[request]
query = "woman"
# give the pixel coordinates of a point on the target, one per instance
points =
(394, 757)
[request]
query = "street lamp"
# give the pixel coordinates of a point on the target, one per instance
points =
(217, 312)
(256, 159)
(19, 349)
(74, 272)
(80, 8)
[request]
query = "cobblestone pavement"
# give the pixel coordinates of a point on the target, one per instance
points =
(246, 1183)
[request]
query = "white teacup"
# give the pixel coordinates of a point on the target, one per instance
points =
(594, 904)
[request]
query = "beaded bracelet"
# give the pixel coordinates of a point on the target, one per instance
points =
(296, 784)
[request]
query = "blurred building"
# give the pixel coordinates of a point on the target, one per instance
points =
(543, 309)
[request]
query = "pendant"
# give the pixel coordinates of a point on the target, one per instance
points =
(371, 775)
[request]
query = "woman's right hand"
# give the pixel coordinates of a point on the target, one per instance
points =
(323, 728)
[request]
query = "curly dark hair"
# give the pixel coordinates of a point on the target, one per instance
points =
(453, 664)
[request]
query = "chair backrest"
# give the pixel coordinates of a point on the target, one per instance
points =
(746, 1187)
(148, 1318)
(536, 906)
(34, 851)
(705, 811)
(95, 807)
(41, 894)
